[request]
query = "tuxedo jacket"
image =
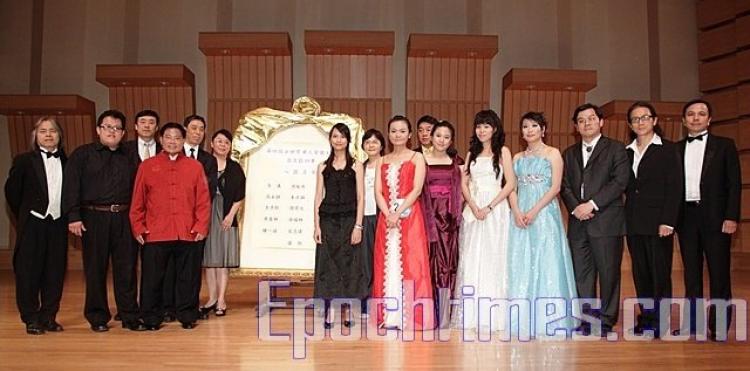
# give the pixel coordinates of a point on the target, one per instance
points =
(604, 180)
(26, 187)
(131, 148)
(654, 197)
(720, 184)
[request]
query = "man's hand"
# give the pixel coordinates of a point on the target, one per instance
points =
(77, 228)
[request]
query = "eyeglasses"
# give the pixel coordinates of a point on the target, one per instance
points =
(114, 129)
(638, 120)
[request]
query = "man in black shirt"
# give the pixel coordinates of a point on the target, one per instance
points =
(97, 189)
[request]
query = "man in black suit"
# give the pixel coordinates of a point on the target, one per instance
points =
(34, 192)
(652, 206)
(145, 145)
(710, 211)
(595, 176)
(195, 126)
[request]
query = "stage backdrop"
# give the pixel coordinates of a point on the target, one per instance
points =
(279, 152)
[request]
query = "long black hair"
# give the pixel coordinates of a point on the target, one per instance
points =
(451, 151)
(497, 142)
(344, 130)
(651, 111)
(379, 136)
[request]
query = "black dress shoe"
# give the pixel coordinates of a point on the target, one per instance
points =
(189, 325)
(100, 328)
(169, 317)
(134, 325)
(34, 329)
(53, 327)
(152, 327)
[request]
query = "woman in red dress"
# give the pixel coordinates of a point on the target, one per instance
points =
(401, 268)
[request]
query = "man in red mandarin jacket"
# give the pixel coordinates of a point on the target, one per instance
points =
(169, 215)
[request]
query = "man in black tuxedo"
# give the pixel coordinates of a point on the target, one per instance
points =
(34, 192)
(595, 176)
(195, 126)
(710, 210)
(145, 145)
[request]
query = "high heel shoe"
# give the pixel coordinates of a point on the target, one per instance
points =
(327, 325)
(220, 312)
(204, 311)
(348, 324)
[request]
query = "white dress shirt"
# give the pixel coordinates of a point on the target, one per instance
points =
(637, 155)
(54, 172)
(146, 150)
(195, 152)
(370, 206)
(584, 146)
(694, 152)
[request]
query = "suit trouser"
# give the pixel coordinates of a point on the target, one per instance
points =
(170, 276)
(652, 272)
(599, 257)
(697, 241)
(39, 263)
(108, 235)
(156, 258)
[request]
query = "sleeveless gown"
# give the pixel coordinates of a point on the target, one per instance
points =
(539, 261)
(401, 265)
(482, 253)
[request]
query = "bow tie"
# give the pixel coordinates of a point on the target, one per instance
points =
(52, 154)
(697, 137)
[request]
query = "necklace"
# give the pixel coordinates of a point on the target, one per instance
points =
(530, 150)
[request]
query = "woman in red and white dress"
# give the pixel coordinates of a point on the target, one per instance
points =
(401, 268)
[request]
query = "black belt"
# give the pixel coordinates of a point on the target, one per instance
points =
(693, 203)
(114, 208)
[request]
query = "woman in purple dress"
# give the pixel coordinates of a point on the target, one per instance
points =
(441, 202)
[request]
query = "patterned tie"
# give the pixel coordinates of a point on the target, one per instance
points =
(147, 150)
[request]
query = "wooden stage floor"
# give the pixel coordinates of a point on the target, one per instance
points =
(232, 342)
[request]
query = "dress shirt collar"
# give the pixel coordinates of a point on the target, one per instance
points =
(656, 139)
(704, 132)
(593, 142)
(142, 142)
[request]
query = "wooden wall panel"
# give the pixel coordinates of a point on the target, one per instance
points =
(556, 93)
(167, 89)
(742, 25)
(712, 12)
(354, 79)
(743, 99)
(448, 77)
(743, 136)
(716, 42)
(245, 71)
(724, 104)
(719, 73)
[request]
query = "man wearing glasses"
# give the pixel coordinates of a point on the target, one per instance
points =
(96, 196)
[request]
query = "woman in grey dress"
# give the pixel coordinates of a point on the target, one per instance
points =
(222, 246)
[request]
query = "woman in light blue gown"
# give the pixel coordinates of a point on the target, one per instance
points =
(540, 267)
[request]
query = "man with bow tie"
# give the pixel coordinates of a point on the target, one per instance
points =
(709, 214)
(33, 192)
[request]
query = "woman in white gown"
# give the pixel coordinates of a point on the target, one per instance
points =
(487, 180)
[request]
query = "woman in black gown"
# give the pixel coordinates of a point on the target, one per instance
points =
(339, 205)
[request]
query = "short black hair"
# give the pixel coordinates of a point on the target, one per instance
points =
(428, 119)
(147, 112)
(172, 125)
(223, 132)
(194, 117)
(585, 106)
(113, 113)
(696, 101)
